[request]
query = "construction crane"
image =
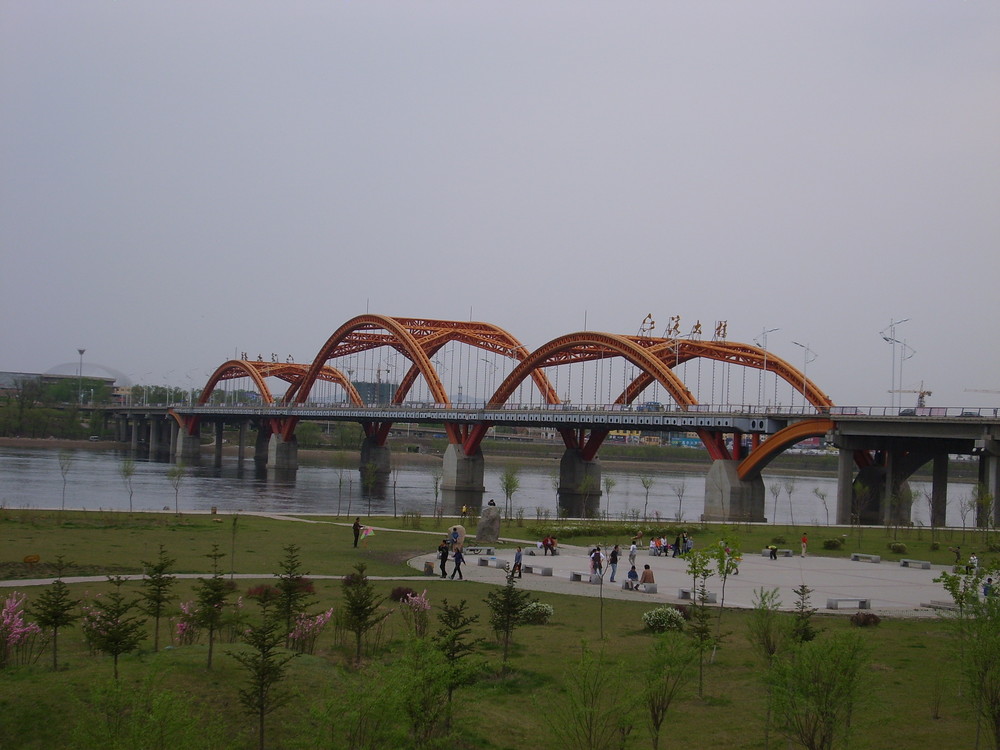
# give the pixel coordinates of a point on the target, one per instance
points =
(979, 390)
(921, 393)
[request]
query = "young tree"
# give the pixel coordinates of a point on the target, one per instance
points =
(768, 632)
(295, 591)
(362, 607)
(679, 489)
(156, 590)
(789, 485)
(510, 482)
(369, 481)
(647, 482)
(609, 484)
(211, 594)
(54, 608)
(726, 557)
(266, 667)
(175, 475)
(775, 489)
(110, 626)
(802, 627)
(65, 464)
(813, 692)
(505, 606)
(421, 679)
(595, 714)
(126, 470)
(452, 640)
(669, 673)
(700, 629)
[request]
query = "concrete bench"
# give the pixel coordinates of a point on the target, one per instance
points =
(780, 552)
(488, 551)
(861, 557)
(710, 597)
(539, 570)
(494, 562)
(936, 604)
(579, 575)
(646, 588)
(925, 564)
(862, 603)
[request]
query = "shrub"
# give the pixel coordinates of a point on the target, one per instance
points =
(898, 547)
(536, 613)
(865, 619)
(935, 546)
(836, 543)
(400, 593)
(662, 619)
(778, 540)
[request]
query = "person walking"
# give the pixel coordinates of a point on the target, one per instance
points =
(357, 530)
(458, 560)
(805, 543)
(631, 553)
(615, 552)
(517, 563)
(443, 557)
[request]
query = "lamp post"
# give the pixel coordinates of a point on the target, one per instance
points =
(806, 359)
(888, 335)
(761, 341)
(79, 379)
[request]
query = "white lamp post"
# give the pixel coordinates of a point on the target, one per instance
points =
(808, 355)
(888, 335)
(761, 341)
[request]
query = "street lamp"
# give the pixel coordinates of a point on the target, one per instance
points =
(761, 341)
(806, 359)
(888, 335)
(79, 382)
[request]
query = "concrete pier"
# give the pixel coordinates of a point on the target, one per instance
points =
(579, 485)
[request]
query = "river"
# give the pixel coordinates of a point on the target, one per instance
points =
(35, 478)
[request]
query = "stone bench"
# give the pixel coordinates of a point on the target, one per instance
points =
(710, 597)
(579, 575)
(539, 570)
(925, 564)
(862, 603)
(782, 552)
(494, 562)
(936, 604)
(645, 588)
(862, 557)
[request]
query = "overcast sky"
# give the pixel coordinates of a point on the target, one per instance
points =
(183, 181)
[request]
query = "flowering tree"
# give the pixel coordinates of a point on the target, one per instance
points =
(414, 610)
(307, 630)
(15, 633)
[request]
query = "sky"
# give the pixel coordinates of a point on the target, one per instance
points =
(181, 182)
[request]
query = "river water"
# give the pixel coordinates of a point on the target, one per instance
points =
(35, 478)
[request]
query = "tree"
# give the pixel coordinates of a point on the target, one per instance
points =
(814, 690)
(505, 606)
(700, 628)
(369, 481)
(452, 640)
(295, 591)
(421, 679)
(126, 470)
(211, 593)
(65, 464)
(775, 489)
(309, 434)
(727, 562)
(110, 626)
(510, 482)
(679, 489)
(362, 607)
(822, 498)
(669, 672)
(803, 630)
(266, 667)
(609, 484)
(156, 594)
(175, 475)
(594, 715)
(647, 482)
(767, 632)
(789, 485)
(54, 608)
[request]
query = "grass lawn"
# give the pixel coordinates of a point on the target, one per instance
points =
(912, 697)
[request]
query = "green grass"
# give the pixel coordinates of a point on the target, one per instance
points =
(912, 677)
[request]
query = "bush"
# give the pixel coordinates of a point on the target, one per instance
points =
(536, 613)
(837, 543)
(400, 593)
(898, 547)
(865, 619)
(662, 619)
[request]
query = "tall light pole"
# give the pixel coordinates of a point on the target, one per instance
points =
(79, 379)
(808, 355)
(761, 341)
(888, 335)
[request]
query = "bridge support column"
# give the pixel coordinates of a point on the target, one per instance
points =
(729, 498)
(845, 486)
(134, 434)
(243, 443)
(262, 445)
(989, 474)
(939, 490)
(175, 431)
(154, 438)
(219, 426)
(462, 479)
(897, 499)
(579, 485)
(188, 447)
(283, 455)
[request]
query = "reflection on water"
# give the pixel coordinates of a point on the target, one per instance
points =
(34, 478)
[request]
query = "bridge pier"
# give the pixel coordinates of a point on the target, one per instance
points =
(989, 474)
(188, 447)
(462, 479)
(729, 498)
(283, 455)
(579, 485)
(219, 428)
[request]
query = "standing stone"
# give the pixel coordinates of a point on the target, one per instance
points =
(488, 529)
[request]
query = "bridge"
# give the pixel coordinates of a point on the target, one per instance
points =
(744, 403)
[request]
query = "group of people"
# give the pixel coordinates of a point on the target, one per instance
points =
(633, 580)
(549, 545)
(659, 547)
(451, 549)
